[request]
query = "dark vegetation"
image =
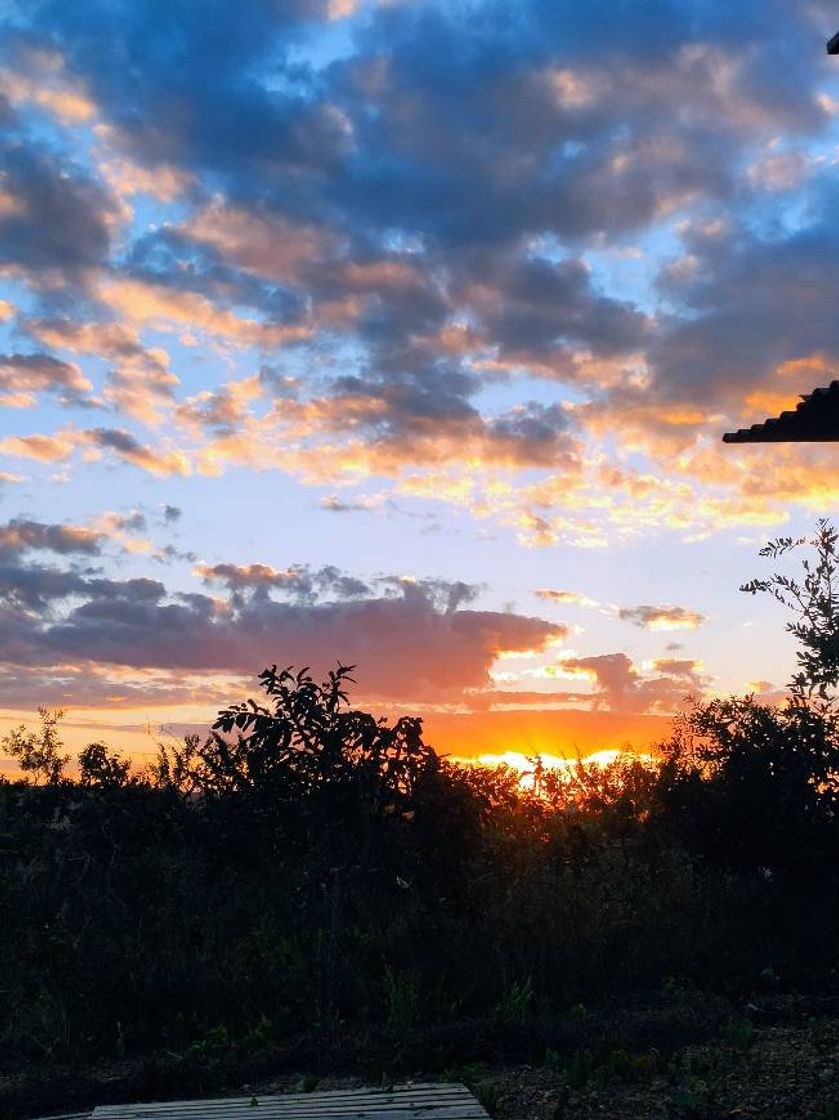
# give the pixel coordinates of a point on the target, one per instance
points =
(308, 873)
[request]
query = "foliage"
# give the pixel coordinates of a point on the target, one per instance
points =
(99, 766)
(815, 603)
(39, 752)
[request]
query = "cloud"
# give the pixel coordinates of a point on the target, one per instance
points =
(40, 78)
(22, 375)
(662, 618)
(570, 598)
(677, 667)
(62, 445)
(223, 411)
(55, 220)
(300, 581)
(414, 643)
(155, 304)
(334, 504)
(19, 535)
(540, 313)
(42, 448)
(621, 686)
(139, 382)
(130, 450)
(532, 279)
(259, 241)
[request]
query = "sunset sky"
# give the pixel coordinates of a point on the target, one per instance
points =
(403, 334)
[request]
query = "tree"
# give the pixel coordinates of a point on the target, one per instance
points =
(39, 752)
(815, 604)
(312, 766)
(312, 739)
(758, 784)
(98, 766)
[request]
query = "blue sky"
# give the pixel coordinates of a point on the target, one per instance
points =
(404, 333)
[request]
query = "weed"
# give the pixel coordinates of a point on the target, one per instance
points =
(306, 1083)
(579, 1068)
(740, 1034)
(630, 1067)
(465, 1075)
(211, 1044)
(259, 1035)
(514, 1005)
(691, 1100)
(402, 999)
(487, 1095)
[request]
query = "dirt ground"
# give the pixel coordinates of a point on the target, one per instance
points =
(776, 1063)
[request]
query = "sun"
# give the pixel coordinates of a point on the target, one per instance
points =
(525, 764)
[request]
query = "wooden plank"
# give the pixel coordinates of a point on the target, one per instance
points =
(433, 1089)
(429, 1101)
(282, 1112)
(407, 1112)
(67, 1116)
(431, 1092)
(469, 1110)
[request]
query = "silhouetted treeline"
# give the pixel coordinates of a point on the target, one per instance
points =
(308, 866)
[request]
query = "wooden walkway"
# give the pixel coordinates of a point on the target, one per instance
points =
(408, 1102)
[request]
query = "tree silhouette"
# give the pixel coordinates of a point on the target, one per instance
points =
(39, 752)
(815, 604)
(98, 766)
(755, 784)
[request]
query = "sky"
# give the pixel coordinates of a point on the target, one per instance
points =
(403, 334)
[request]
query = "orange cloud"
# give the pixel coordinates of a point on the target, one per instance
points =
(572, 598)
(166, 308)
(662, 618)
(44, 449)
(42, 80)
(262, 243)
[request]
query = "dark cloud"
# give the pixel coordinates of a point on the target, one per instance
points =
(171, 514)
(169, 552)
(298, 581)
(81, 686)
(20, 535)
(205, 86)
(662, 617)
(539, 306)
(538, 430)
(131, 523)
(563, 119)
(173, 259)
(751, 305)
(415, 641)
(56, 225)
(128, 448)
(429, 416)
(338, 505)
(31, 588)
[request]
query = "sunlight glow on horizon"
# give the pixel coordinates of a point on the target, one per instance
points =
(526, 764)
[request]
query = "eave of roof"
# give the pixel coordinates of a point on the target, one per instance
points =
(814, 420)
